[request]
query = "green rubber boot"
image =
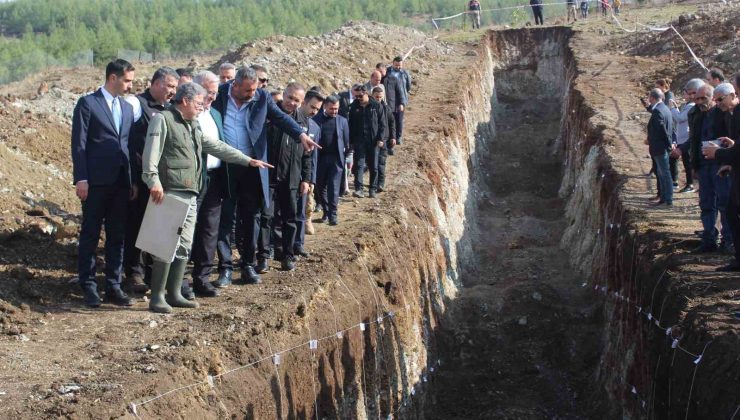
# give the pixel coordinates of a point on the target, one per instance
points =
(174, 285)
(158, 304)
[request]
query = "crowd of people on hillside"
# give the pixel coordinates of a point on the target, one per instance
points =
(701, 131)
(251, 165)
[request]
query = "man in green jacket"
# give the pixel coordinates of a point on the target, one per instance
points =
(173, 162)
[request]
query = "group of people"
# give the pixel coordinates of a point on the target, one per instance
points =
(571, 5)
(252, 166)
(701, 132)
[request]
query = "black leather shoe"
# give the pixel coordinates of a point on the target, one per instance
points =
(117, 297)
(733, 266)
(288, 263)
(301, 252)
(224, 279)
(262, 267)
(727, 248)
(704, 248)
(205, 290)
(91, 298)
(371, 194)
(186, 291)
(249, 276)
(333, 222)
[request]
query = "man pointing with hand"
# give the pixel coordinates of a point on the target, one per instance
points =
(173, 162)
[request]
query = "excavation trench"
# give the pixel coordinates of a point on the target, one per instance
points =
(521, 340)
(476, 289)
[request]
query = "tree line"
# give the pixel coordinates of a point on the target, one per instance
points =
(39, 33)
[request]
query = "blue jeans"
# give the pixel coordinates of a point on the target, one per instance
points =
(665, 181)
(714, 195)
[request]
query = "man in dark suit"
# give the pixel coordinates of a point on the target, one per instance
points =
(396, 70)
(102, 174)
(146, 105)
(330, 160)
(659, 135)
(245, 107)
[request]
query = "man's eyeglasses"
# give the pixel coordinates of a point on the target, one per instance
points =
(264, 80)
(720, 99)
(199, 104)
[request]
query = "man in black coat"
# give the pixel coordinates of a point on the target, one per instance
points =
(390, 138)
(291, 176)
(102, 175)
(727, 100)
(367, 128)
(660, 131)
(714, 191)
(146, 105)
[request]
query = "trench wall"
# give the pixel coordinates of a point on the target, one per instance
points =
(405, 269)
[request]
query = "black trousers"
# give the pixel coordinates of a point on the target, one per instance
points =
(733, 219)
(398, 116)
(133, 260)
(537, 11)
(205, 237)
(328, 183)
(366, 156)
(105, 205)
(382, 157)
(686, 159)
(281, 224)
(251, 203)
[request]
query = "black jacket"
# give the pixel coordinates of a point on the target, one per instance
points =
(660, 130)
(388, 113)
(137, 137)
(731, 156)
(288, 157)
(370, 118)
(344, 103)
(393, 93)
(696, 122)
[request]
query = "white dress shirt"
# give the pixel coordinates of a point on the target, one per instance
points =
(209, 128)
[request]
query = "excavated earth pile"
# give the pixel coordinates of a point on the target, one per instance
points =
(512, 270)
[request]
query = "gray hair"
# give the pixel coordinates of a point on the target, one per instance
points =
(331, 99)
(724, 89)
(226, 66)
(245, 73)
(657, 94)
(188, 91)
(204, 77)
(694, 84)
(707, 89)
(164, 72)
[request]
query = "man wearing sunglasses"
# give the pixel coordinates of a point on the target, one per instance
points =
(726, 98)
(681, 124)
(714, 186)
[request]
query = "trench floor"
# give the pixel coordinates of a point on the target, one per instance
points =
(521, 340)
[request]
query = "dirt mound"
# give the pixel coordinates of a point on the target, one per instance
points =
(340, 58)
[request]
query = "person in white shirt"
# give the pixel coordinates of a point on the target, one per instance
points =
(211, 197)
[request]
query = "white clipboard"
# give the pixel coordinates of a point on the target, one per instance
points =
(162, 226)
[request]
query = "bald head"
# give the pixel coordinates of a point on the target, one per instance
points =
(375, 78)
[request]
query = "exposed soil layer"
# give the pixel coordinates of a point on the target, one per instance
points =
(475, 257)
(521, 339)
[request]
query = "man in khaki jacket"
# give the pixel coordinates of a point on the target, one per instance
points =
(173, 162)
